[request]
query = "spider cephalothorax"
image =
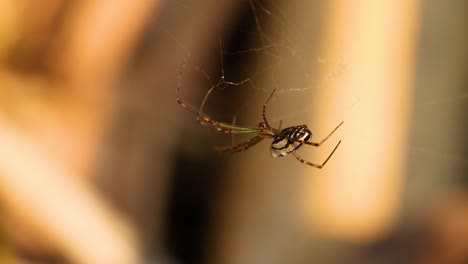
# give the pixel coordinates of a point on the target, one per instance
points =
(285, 141)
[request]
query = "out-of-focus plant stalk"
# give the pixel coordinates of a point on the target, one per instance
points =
(359, 198)
(53, 115)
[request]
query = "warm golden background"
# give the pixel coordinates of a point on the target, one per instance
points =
(99, 164)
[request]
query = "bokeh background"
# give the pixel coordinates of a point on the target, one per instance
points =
(99, 164)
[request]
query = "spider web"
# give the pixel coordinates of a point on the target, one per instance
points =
(253, 52)
(263, 46)
(259, 46)
(251, 55)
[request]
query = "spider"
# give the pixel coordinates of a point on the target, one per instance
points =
(285, 141)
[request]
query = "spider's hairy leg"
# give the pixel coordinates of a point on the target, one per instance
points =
(265, 106)
(182, 103)
(206, 120)
(241, 146)
(219, 126)
(313, 164)
(321, 142)
(201, 119)
(181, 71)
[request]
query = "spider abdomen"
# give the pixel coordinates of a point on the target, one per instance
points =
(289, 140)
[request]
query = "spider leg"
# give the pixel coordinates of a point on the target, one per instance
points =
(206, 120)
(313, 164)
(240, 147)
(281, 123)
(321, 142)
(265, 106)
(219, 126)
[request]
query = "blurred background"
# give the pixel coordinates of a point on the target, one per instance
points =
(99, 164)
